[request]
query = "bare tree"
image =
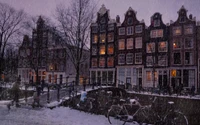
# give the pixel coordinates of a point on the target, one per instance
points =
(75, 22)
(10, 26)
(11, 61)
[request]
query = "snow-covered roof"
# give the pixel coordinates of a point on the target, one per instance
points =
(103, 10)
(130, 9)
(111, 21)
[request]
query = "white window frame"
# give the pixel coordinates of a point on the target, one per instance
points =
(164, 49)
(190, 41)
(129, 30)
(110, 27)
(138, 58)
(149, 61)
(153, 47)
(138, 42)
(129, 43)
(156, 33)
(177, 28)
(121, 59)
(162, 60)
(129, 58)
(121, 41)
(174, 58)
(179, 41)
(191, 58)
(138, 29)
(121, 31)
(188, 29)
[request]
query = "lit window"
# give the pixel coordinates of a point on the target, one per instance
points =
(188, 29)
(149, 61)
(150, 47)
(149, 75)
(138, 29)
(159, 33)
(177, 30)
(162, 47)
(122, 31)
(121, 59)
(153, 33)
(129, 58)
(94, 50)
(102, 62)
(138, 42)
(156, 33)
(94, 62)
(176, 43)
(177, 58)
(110, 61)
(102, 38)
(188, 42)
(189, 58)
(102, 50)
(138, 58)
(130, 30)
(121, 44)
(94, 39)
(129, 44)
(110, 49)
(110, 37)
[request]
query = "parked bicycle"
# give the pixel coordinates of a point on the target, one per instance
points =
(126, 111)
(133, 111)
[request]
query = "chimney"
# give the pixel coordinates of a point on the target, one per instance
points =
(117, 19)
(190, 16)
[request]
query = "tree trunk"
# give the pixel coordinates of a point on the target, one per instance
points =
(77, 74)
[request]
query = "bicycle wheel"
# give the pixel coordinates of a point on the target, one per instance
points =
(116, 115)
(142, 115)
(175, 118)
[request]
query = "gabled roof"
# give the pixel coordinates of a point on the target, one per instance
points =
(103, 10)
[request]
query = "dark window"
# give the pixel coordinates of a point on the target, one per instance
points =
(102, 28)
(177, 58)
(130, 21)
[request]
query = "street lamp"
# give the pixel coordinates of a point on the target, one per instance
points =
(51, 69)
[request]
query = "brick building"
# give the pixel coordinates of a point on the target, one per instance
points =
(155, 56)
(47, 53)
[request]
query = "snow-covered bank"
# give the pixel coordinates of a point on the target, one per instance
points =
(45, 116)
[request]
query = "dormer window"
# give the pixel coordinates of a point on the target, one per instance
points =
(182, 19)
(103, 20)
(156, 23)
(130, 21)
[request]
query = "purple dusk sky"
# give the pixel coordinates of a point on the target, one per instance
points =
(145, 8)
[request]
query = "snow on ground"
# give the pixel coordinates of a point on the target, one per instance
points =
(46, 116)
